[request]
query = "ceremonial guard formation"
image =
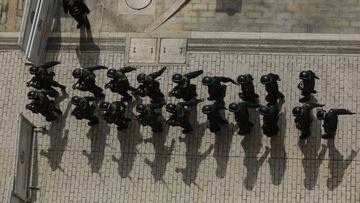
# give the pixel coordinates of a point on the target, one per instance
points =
(43, 96)
(151, 114)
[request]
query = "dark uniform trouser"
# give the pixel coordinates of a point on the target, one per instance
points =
(329, 133)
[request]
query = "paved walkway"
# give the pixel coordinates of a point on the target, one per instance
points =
(81, 164)
(285, 16)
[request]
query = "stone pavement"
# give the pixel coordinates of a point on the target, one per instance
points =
(81, 164)
(285, 16)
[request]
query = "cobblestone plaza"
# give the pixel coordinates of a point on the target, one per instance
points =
(81, 164)
(77, 163)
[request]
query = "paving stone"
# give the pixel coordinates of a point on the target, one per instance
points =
(80, 164)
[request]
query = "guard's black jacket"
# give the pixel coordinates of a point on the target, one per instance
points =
(331, 119)
(151, 87)
(185, 90)
(84, 110)
(270, 127)
(120, 84)
(180, 117)
(216, 90)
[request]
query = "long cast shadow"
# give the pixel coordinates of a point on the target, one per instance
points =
(193, 156)
(129, 139)
(88, 52)
(97, 135)
(223, 140)
(312, 157)
(277, 160)
(58, 141)
(162, 154)
(252, 146)
(192, 142)
(337, 165)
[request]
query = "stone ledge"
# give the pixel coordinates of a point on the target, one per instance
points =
(210, 41)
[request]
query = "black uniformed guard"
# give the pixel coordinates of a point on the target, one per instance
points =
(78, 10)
(44, 79)
(179, 116)
(115, 113)
(184, 90)
(331, 120)
(150, 115)
(214, 118)
(120, 83)
(86, 80)
(150, 87)
(270, 119)
(307, 85)
(247, 87)
(84, 110)
(41, 104)
(303, 118)
(241, 112)
(272, 88)
(216, 90)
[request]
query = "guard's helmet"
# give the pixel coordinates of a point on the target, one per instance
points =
(207, 109)
(141, 78)
(111, 73)
(105, 106)
(264, 110)
(34, 70)
(265, 79)
(243, 79)
(32, 95)
(297, 111)
(177, 78)
(305, 75)
(321, 115)
(171, 108)
(141, 108)
(77, 73)
(206, 80)
(75, 100)
(233, 107)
